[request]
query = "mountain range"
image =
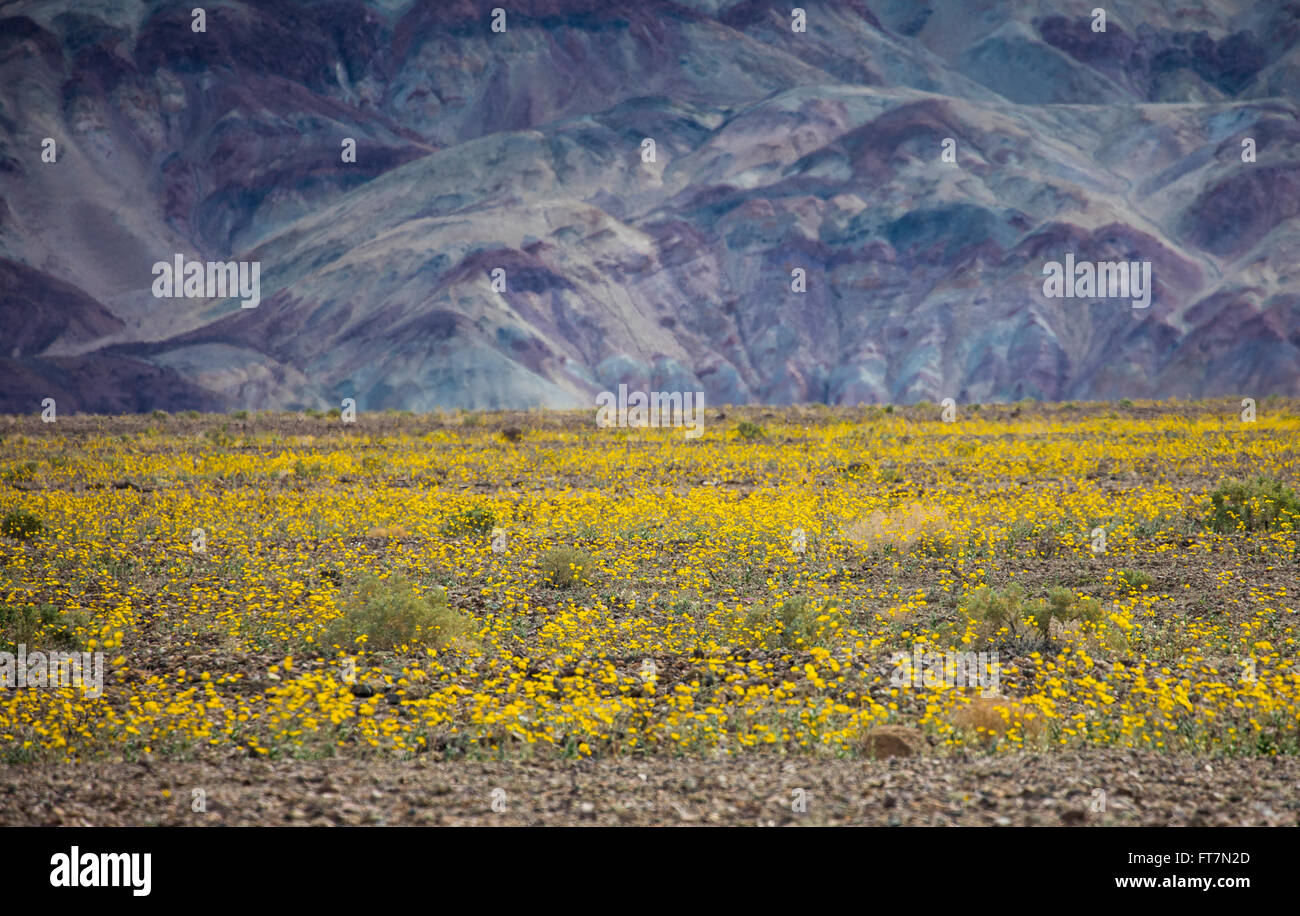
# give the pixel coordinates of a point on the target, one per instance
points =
(511, 204)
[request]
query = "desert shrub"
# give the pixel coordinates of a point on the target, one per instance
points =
(565, 567)
(512, 434)
(1018, 532)
(748, 430)
(474, 520)
(991, 718)
(20, 525)
(63, 632)
(1135, 579)
(1262, 503)
(38, 627)
(21, 623)
(996, 607)
(159, 415)
(308, 468)
(390, 612)
(903, 527)
(20, 472)
(1061, 612)
(1064, 607)
(800, 622)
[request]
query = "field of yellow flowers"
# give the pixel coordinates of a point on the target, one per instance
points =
(528, 585)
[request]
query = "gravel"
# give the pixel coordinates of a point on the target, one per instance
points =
(1104, 787)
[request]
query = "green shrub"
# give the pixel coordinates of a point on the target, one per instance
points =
(309, 468)
(748, 430)
(565, 567)
(20, 472)
(26, 623)
(387, 613)
(1008, 607)
(20, 525)
(1261, 503)
(995, 607)
(1135, 579)
(1064, 606)
(800, 623)
(21, 624)
(475, 520)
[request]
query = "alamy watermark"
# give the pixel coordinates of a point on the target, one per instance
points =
(104, 869)
(1098, 280)
(946, 669)
(181, 279)
(654, 409)
(53, 669)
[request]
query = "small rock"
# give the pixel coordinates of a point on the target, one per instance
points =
(893, 741)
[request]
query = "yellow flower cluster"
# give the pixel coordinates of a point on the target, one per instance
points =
(743, 592)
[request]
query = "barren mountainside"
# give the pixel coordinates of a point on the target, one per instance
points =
(796, 236)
